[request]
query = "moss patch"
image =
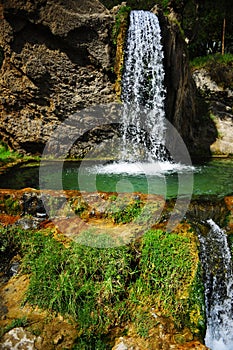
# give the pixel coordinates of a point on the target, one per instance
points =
(119, 37)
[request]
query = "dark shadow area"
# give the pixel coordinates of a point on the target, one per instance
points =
(33, 147)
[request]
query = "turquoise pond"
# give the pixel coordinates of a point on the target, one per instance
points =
(213, 177)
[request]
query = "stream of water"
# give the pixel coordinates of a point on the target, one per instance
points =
(218, 280)
(212, 178)
(143, 91)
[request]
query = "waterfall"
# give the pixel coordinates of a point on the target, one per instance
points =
(217, 265)
(143, 91)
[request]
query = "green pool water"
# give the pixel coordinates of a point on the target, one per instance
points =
(213, 177)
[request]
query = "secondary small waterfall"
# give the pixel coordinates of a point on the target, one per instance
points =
(218, 281)
(143, 91)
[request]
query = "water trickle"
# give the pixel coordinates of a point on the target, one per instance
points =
(217, 266)
(143, 91)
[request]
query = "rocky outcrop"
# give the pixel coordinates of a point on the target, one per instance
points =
(56, 59)
(216, 86)
(184, 107)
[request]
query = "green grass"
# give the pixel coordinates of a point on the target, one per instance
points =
(100, 288)
(165, 280)
(122, 211)
(6, 155)
(17, 322)
(207, 61)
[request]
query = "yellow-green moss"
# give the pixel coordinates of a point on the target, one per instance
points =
(119, 37)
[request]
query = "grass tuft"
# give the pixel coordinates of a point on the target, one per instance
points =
(101, 288)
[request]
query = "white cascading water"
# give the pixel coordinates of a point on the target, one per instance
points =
(218, 280)
(143, 92)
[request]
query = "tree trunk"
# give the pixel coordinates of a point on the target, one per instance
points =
(223, 35)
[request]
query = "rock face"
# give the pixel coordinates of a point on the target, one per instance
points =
(219, 94)
(184, 108)
(57, 59)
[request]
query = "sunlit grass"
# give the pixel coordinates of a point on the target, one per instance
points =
(206, 61)
(6, 155)
(99, 288)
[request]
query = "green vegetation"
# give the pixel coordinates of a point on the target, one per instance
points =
(219, 66)
(207, 25)
(166, 267)
(18, 322)
(121, 19)
(11, 206)
(123, 211)
(6, 155)
(209, 60)
(138, 4)
(100, 288)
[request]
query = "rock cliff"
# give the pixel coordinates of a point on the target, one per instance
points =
(56, 60)
(185, 108)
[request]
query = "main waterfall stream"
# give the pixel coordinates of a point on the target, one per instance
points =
(143, 91)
